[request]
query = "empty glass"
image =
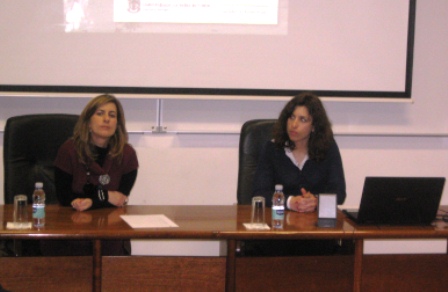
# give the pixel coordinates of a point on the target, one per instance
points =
(20, 211)
(258, 209)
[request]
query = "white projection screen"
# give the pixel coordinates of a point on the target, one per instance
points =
(361, 48)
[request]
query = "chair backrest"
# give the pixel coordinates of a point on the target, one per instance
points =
(254, 134)
(30, 145)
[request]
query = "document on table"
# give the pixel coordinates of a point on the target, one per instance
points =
(14, 225)
(148, 221)
(256, 226)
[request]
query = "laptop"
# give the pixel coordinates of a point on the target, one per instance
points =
(398, 201)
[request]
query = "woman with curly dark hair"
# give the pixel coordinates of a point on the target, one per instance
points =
(303, 157)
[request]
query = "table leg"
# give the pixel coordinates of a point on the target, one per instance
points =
(230, 265)
(97, 265)
(357, 269)
(17, 246)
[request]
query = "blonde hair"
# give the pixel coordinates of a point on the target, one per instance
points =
(81, 135)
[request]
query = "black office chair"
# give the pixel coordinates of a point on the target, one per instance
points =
(30, 145)
(254, 134)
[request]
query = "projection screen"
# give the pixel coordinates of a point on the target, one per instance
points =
(361, 48)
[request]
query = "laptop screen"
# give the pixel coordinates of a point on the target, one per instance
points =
(400, 200)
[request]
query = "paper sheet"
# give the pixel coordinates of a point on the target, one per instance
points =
(14, 225)
(256, 226)
(148, 221)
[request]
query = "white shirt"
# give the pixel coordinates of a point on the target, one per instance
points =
(300, 165)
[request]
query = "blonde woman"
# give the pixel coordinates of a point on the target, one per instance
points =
(96, 168)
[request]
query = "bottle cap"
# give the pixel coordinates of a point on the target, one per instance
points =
(39, 185)
(279, 187)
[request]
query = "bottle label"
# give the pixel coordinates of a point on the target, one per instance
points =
(278, 212)
(38, 211)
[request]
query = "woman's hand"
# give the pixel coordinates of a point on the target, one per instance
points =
(117, 198)
(82, 204)
(306, 202)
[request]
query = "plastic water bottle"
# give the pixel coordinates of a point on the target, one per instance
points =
(39, 205)
(278, 207)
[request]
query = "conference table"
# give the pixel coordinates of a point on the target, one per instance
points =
(341, 272)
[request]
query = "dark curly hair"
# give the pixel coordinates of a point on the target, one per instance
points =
(322, 136)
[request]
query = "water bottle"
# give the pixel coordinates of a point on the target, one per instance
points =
(39, 205)
(278, 207)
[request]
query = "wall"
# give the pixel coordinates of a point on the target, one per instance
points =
(375, 138)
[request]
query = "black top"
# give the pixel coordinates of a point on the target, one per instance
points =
(274, 167)
(64, 184)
